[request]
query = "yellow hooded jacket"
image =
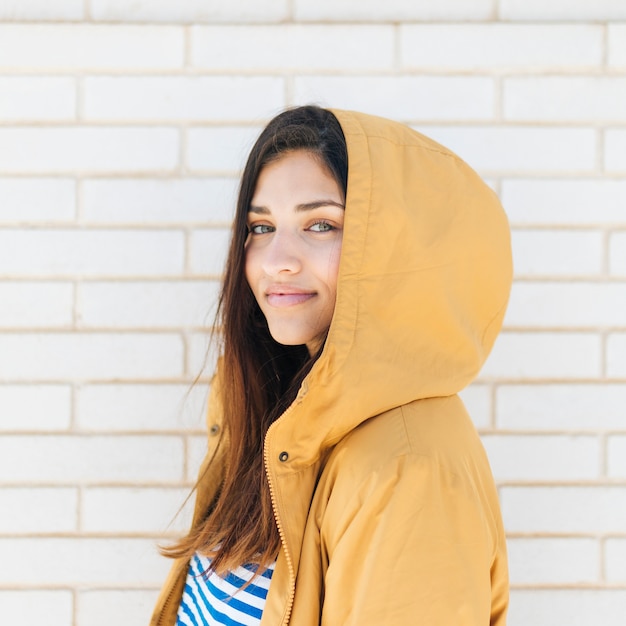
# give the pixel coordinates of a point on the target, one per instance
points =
(382, 491)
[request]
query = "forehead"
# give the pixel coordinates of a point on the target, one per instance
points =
(297, 174)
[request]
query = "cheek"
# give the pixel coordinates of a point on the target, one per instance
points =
(333, 267)
(248, 267)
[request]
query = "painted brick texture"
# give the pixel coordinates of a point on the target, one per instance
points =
(123, 129)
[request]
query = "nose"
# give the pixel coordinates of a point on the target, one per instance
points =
(282, 254)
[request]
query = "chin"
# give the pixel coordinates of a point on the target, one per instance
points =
(291, 339)
(288, 341)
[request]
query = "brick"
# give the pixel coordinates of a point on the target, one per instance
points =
(558, 305)
(75, 149)
(514, 149)
(35, 407)
(27, 200)
(554, 457)
(201, 354)
(393, 10)
(583, 202)
(37, 99)
(497, 46)
(615, 560)
(616, 456)
(615, 150)
(84, 562)
(222, 149)
(190, 11)
(561, 407)
(553, 561)
(616, 355)
(477, 400)
(159, 201)
(36, 510)
(89, 356)
(574, 607)
(556, 10)
(123, 608)
(36, 304)
(527, 355)
(117, 510)
(74, 252)
(355, 47)
(90, 459)
(53, 608)
(14, 10)
(138, 408)
(208, 250)
(617, 254)
(564, 510)
(170, 304)
(557, 253)
(617, 44)
(405, 98)
(94, 46)
(176, 98)
(564, 98)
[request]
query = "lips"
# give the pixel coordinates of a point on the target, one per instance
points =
(284, 296)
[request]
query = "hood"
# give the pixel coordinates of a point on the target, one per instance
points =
(423, 284)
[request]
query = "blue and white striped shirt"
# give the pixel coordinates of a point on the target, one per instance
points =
(211, 600)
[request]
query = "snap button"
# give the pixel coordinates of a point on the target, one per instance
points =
(214, 429)
(283, 456)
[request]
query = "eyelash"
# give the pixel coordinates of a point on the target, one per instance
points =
(321, 222)
(251, 229)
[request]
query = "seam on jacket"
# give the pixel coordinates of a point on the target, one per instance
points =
(444, 152)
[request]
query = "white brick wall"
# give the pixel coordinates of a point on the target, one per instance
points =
(103, 608)
(31, 150)
(407, 97)
(70, 47)
(617, 44)
(190, 10)
(511, 47)
(54, 608)
(172, 201)
(355, 48)
(42, 10)
(553, 561)
(32, 200)
(577, 607)
(562, 10)
(123, 128)
(26, 98)
(393, 10)
(615, 150)
(179, 98)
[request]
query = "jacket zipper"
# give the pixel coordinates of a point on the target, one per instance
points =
(281, 532)
(165, 604)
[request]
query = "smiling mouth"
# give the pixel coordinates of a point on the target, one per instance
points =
(288, 299)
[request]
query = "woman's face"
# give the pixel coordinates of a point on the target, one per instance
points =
(295, 225)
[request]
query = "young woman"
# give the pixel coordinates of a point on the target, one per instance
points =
(367, 279)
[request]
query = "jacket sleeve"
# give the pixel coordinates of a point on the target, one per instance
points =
(413, 545)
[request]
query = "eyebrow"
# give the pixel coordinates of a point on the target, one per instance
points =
(307, 206)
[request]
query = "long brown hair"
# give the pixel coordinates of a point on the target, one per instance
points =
(260, 378)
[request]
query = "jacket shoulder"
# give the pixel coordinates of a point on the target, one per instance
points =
(434, 427)
(411, 456)
(411, 491)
